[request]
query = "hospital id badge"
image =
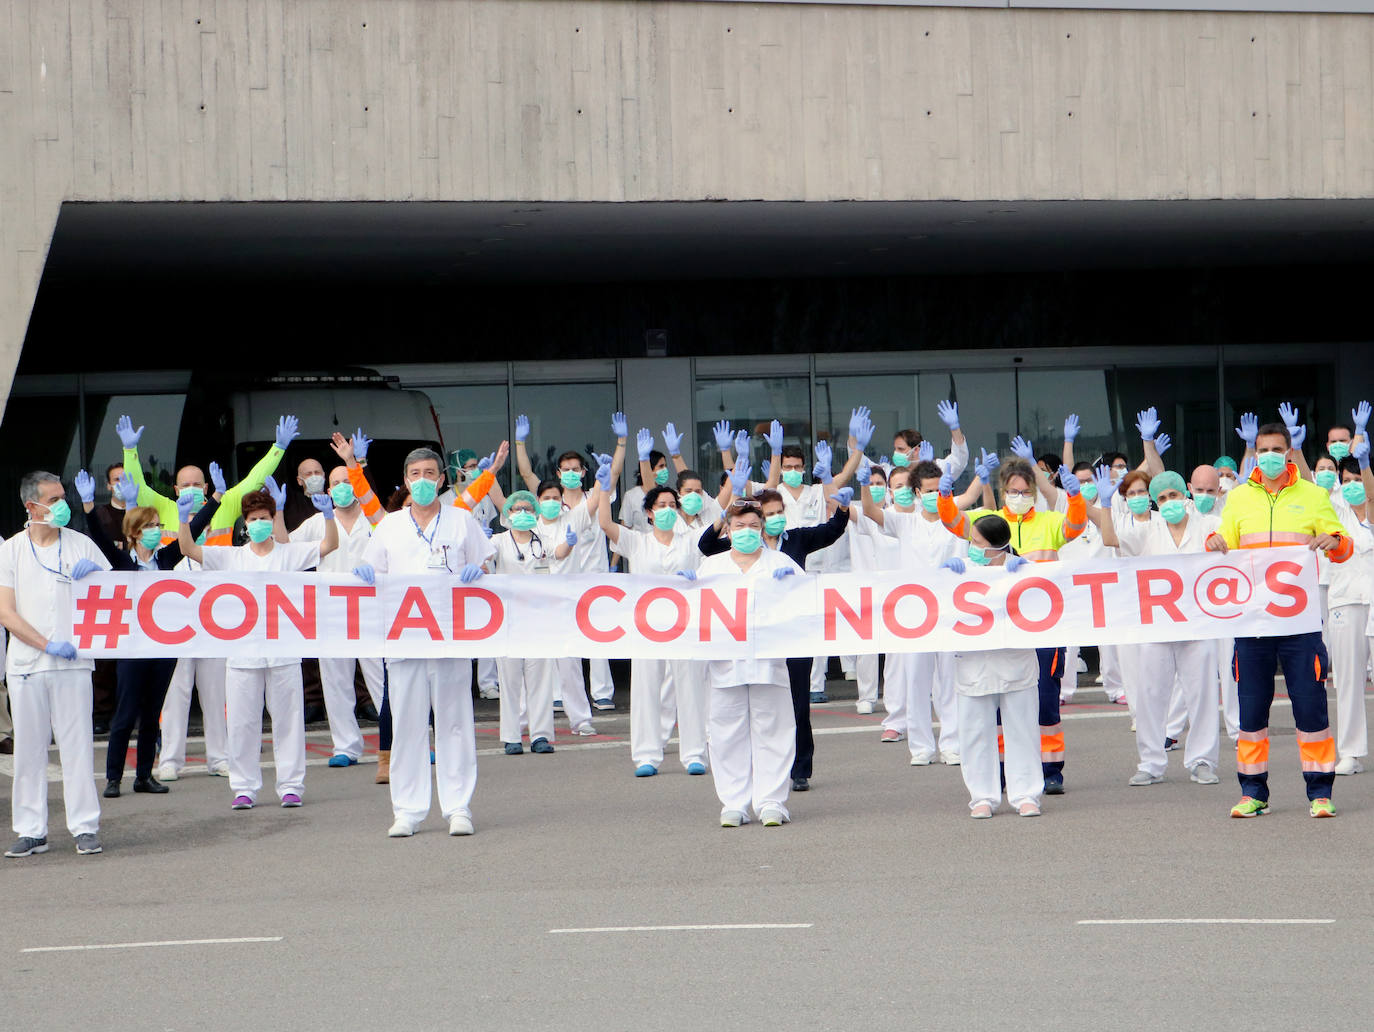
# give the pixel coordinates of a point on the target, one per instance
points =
(438, 558)
(541, 566)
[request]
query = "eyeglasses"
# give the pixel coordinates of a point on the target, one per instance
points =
(744, 509)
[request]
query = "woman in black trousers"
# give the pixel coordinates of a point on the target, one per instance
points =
(140, 684)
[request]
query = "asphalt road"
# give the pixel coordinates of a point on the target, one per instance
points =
(914, 916)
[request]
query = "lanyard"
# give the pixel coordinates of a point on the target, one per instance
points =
(58, 572)
(421, 534)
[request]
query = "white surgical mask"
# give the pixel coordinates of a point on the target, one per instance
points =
(1020, 504)
(314, 484)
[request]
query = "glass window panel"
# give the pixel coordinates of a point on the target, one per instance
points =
(751, 404)
(473, 417)
(37, 433)
(1186, 400)
(891, 400)
(160, 417)
(987, 411)
(1261, 388)
(1046, 397)
(565, 418)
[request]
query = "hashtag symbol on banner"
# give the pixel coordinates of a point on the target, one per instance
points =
(103, 617)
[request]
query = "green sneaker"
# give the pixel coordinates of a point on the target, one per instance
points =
(1250, 807)
(1322, 808)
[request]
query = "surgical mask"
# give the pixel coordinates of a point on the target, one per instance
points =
(775, 525)
(342, 495)
(1204, 502)
(423, 491)
(1272, 464)
(1326, 479)
(1173, 511)
(661, 476)
(904, 496)
(1338, 450)
(1089, 491)
(746, 540)
(665, 518)
(150, 537)
(259, 531)
(1020, 504)
(1138, 504)
(901, 459)
(523, 520)
(1117, 473)
(877, 492)
(59, 513)
(692, 502)
(792, 477)
(571, 479)
(550, 508)
(195, 493)
(469, 475)
(1226, 484)
(979, 555)
(930, 501)
(1353, 492)
(314, 484)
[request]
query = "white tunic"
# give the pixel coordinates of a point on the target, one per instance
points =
(925, 543)
(282, 559)
(648, 555)
(995, 670)
(1352, 581)
(728, 673)
(41, 579)
(1154, 536)
(352, 543)
(445, 544)
(531, 557)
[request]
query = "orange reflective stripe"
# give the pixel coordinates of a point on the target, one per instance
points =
(1051, 743)
(1054, 662)
(1041, 555)
(1270, 539)
(219, 537)
(1317, 749)
(955, 521)
(362, 490)
(1252, 752)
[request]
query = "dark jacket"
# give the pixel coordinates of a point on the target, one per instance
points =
(797, 543)
(165, 557)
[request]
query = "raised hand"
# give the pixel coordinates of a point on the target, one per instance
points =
(767, 468)
(603, 473)
(217, 478)
(672, 439)
(1289, 414)
(1163, 443)
(981, 470)
(366, 573)
(1297, 435)
(723, 435)
(1068, 482)
(644, 442)
(953, 563)
(84, 568)
(324, 504)
(1106, 487)
(1147, 423)
(127, 489)
(925, 452)
(865, 431)
(1071, 428)
(1023, 449)
(278, 493)
(361, 443)
(571, 538)
(288, 429)
(1360, 449)
(843, 497)
(469, 573)
(775, 437)
(824, 462)
(741, 443)
(1248, 429)
(522, 427)
(85, 486)
(739, 476)
(857, 418)
(186, 501)
(1359, 415)
(485, 464)
(946, 484)
(865, 471)
(948, 411)
(128, 436)
(619, 425)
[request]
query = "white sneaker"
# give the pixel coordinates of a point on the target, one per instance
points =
(401, 829)
(1142, 778)
(489, 693)
(864, 707)
(949, 758)
(731, 818)
(460, 824)
(167, 772)
(1349, 765)
(922, 759)
(585, 729)
(772, 817)
(1203, 774)
(220, 769)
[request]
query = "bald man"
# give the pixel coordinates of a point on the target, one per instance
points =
(299, 508)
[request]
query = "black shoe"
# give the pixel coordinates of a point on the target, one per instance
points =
(100, 727)
(314, 714)
(1054, 784)
(369, 711)
(150, 784)
(111, 790)
(6, 746)
(801, 785)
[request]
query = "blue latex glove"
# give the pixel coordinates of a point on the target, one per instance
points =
(672, 439)
(522, 427)
(85, 486)
(948, 411)
(843, 497)
(323, 504)
(603, 476)
(1071, 428)
(1069, 483)
(857, 418)
(687, 574)
(486, 529)
(925, 452)
(1360, 449)
(865, 471)
(469, 573)
(953, 563)
(485, 464)
(1359, 415)
(217, 479)
(883, 460)
(1015, 562)
(571, 538)
(1023, 449)
(821, 473)
(602, 458)
(1102, 477)
(767, 468)
(1246, 468)
(1147, 423)
(278, 493)
(644, 441)
(741, 443)
(1163, 443)
(185, 503)
(60, 649)
(946, 484)
(992, 459)
(1248, 429)
(128, 436)
(288, 429)
(361, 443)
(783, 571)
(366, 573)
(1289, 414)
(1298, 435)
(775, 437)
(128, 489)
(723, 436)
(620, 426)
(824, 460)
(865, 433)
(739, 476)
(981, 470)
(84, 568)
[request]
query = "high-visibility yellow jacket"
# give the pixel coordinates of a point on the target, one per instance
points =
(221, 529)
(1037, 536)
(1298, 511)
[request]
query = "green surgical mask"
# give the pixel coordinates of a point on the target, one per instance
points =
(792, 477)
(550, 508)
(195, 493)
(342, 494)
(1173, 511)
(1326, 479)
(901, 459)
(775, 525)
(259, 531)
(151, 537)
(59, 513)
(1138, 504)
(1272, 464)
(423, 491)
(1338, 450)
(978, 555)
(523, 520)
(661, 476)
(904, 497)
(1204, 503)
(746, 540)
(1089, 492)
(692, 502)
(877, 492)
(930, 501)
(664, 519)
(570, 479)
(1353, 492)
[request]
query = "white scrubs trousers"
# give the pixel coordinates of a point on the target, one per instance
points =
(664, 692)
(208, 677)
(572, 690)
(915, 681)
(1109, 662)
(416, 685)
(246, 690)
(978, 747)
(1345, 635)
(603, 687)
(487, 675)
(527, 690)
(866, 673)
(53, 705)
(1193, 665)
(340, 700)
(753, 735)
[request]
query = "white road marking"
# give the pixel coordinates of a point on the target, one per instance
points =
(1215, 921)
(673, 928)
(141, 945)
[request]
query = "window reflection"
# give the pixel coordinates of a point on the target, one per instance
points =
(751, 404)
(566, 417)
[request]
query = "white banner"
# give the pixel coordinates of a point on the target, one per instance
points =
(1252, 593)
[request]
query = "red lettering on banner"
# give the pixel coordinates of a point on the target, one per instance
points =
(496, 613)
(1051, 591)
(861, 622)
(1094, 583)
(736, 623)
(207, 614)
(642, 614)
(423, 618)
(965, 605)
(1168, 601)
(351, 593)
(1283, 588)
(584, 613)
(910, 591)
(149, 626)
(278, 604)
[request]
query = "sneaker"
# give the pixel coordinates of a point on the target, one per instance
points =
(1064, 700)
(401, 829)
(603, 704)
(863, 707)
(341, 760)
(558, 705)
(25, 846)
(922, 759)
(1349, 765)
(980, 811)
(645, 770)
(1120, 700)
(949, 758)
(772, 817)
(1170, 744)
(290, 801)
(489, 693)
(241, 803)
(585, 729)
(541, 745)
(460, 824)
(1203, 774)
(167, 772)
(1141, 778)
(1250, 807)
(1322, 808)
(89, 845)
(801, 784)
(696, 768)
(1054, 784)
(1028, 808)
(817, 697)
(731, 818)
(220, 769)
(514, 748)
(891, 734)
